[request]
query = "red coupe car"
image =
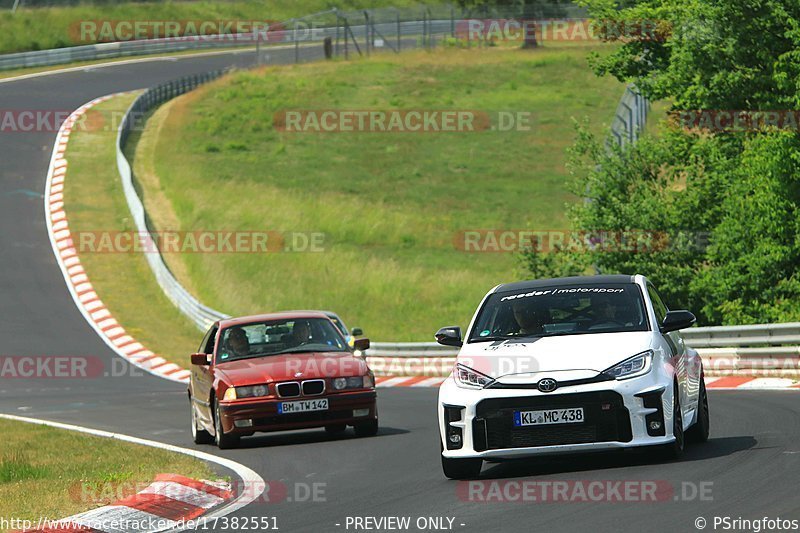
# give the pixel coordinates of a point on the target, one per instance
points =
(278, 372)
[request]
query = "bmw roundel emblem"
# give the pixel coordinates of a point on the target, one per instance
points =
(547, 385)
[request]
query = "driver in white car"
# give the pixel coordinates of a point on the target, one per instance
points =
(530, 320)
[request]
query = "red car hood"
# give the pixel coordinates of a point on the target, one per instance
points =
(289, 367)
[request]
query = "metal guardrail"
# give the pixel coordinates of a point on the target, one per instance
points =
(758, 337)
(411, 349)
(754, 340)
(202, 315)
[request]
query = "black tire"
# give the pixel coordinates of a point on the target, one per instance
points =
(674, 450)
(199, 436)
(699, 431)
(224, 441)
(461, 468)
(335, 429)
(366, 429)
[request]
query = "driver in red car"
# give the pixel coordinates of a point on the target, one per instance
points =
(301, 333)
(237, 345)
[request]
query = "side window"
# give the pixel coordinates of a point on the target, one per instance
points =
(658, 303)
(207, 346)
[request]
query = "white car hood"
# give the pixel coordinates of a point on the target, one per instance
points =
(563, 357)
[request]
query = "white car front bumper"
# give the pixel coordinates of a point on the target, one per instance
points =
(616, 417)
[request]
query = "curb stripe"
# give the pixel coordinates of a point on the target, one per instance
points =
(188, 482)
(78, 283)
(253, 483)
(182, 493)
(160, 505)
(730, 381)
(394, 382)
(429, 382)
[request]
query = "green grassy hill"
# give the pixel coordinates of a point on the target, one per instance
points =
(390, 204)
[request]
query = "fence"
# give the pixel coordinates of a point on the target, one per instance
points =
(630, 117)
(353, 32)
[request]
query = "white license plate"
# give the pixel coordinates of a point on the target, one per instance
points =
(550, 416)
(302, 406)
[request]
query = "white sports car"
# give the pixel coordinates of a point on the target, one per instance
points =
(570, 365)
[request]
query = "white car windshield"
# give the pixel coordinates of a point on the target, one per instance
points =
(561, 310)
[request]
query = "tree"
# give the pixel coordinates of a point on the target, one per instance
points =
(739, 189)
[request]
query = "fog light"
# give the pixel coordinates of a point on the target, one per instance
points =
(655, 425)
(246, 423)
(453, 413)
(360, 412)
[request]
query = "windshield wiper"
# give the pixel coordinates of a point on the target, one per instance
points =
(489, 339)
(301, 349)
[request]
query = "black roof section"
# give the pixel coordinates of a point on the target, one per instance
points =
(560, 282)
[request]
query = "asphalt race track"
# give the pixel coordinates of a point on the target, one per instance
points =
(751, 465)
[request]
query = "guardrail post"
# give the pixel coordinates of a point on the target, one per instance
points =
(296, 44)
(366, 31)
(424, 29)
(258, 46)
(346, 48)
(399, 40)
(338, 23)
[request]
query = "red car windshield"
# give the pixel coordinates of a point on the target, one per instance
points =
(274, 337)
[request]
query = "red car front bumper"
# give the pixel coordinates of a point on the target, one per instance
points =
(263, 412)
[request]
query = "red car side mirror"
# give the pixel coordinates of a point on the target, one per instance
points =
(361, 344)
(200, 359)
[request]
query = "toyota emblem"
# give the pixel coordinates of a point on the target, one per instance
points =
(547, 385)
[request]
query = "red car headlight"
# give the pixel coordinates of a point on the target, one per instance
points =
(355, 382)
(254, 391)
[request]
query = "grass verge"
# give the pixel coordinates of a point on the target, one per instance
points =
(54, 473)
(390, 205)
(94, 202)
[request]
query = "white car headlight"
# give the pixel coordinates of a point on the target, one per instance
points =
(638, 365)
(470, 379)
